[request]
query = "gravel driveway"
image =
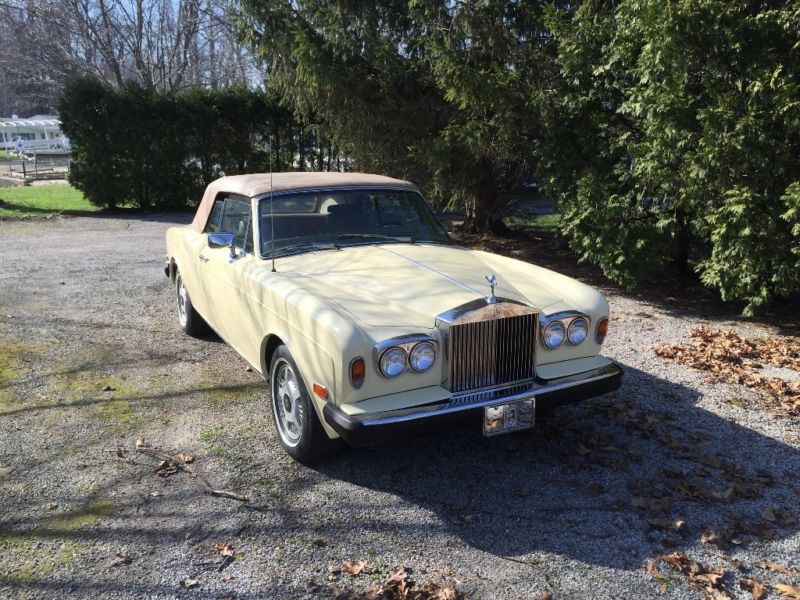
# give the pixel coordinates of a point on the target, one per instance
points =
(91, 358)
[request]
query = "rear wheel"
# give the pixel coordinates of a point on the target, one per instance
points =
(188, 318)
(299, 430)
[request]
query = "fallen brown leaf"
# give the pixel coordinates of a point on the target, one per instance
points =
(770, 566)
(156, 494)
(756, 588)
(166, 468)
(712, 536)
(787, 591)
(121, 559)
(185, 458)
(354, 568)
(397, 583)
(189, 583)
(226, 549)
(710, 582)
(675, 525)
(769, 514)
(652, 569)
(710, 461)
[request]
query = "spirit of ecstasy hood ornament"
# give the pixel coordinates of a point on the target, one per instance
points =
(492, 282)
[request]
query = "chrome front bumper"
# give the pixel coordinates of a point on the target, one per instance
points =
(374, 428)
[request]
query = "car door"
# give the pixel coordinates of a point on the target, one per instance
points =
(197, 247)
(222, 268)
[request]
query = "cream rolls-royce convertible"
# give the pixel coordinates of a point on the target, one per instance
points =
(369, 322)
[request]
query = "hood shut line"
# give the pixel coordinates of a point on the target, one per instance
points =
(434, 271)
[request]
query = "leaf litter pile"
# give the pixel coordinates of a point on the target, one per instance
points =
(398, 584)
(731, 358)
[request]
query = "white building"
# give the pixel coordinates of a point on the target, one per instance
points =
(39, 132)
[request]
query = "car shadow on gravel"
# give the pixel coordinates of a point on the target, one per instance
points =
(613, 481)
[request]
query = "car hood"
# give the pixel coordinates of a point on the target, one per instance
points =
(405, 285)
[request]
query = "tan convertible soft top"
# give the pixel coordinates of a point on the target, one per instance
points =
(255, 184)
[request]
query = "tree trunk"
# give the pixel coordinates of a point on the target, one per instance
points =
(683, 240)
(486, 215)
(276, 149)
(302, 146)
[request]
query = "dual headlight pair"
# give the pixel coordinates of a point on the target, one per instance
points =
(571, 331)
(396, 359)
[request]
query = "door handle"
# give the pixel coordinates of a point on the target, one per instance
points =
(203, 258)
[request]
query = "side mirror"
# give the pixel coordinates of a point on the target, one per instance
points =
(221, 240)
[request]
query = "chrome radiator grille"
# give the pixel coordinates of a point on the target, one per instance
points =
(491, 352)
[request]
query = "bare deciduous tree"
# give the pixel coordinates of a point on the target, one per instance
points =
(165, 44)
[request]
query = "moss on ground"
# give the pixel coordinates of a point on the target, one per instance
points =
(12, 368)
(110, 396)
(220, 391)
(36, 553)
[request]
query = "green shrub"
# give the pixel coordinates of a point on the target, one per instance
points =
(674, 141)
(139, 147)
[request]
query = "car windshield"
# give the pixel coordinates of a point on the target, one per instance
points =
(306, 221)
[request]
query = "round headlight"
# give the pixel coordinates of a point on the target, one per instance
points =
(577, 331)
(422, 356)
(554, 334)
(393, 361)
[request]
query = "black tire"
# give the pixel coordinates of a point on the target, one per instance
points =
(299, 430)
(188, 318)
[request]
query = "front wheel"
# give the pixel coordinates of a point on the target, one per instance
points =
(299, 429)
(188, 318)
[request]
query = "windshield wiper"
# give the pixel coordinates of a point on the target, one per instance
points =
(293, 248)
(374, 236)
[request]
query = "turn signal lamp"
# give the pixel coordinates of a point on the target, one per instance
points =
(358, 371)
(602, 330)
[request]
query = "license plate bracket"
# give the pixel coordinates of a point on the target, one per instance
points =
(506, 417)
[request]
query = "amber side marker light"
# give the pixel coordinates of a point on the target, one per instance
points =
(358, 370)
(602, 330)
(321, 391)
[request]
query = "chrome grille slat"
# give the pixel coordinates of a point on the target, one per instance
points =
(491, 352)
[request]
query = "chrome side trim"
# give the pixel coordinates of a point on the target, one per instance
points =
(480, 398)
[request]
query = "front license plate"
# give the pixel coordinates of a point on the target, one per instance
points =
(509, 416)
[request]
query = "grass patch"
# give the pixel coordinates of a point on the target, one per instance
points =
(42, 200)
(534, 222)
(214, 441)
